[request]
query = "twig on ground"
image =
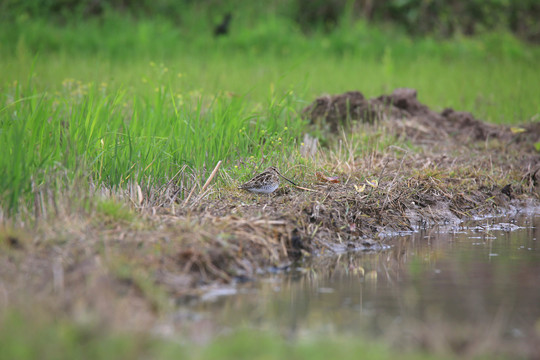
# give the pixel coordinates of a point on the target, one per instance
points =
(212, 175)
(306, 189)
(190, 193)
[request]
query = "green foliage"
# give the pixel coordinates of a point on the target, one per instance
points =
(114, 211)
(123, 37)
(124, 100)
(418, 17)
(24, 337)
(257, 345)
(83, 128)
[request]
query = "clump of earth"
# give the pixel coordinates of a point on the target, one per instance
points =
(406, 115)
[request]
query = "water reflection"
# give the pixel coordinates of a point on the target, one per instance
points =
(475, 284)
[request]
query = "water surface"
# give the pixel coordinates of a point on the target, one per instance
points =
(474, 283)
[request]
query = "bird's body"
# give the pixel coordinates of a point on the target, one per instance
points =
(265, 183)
(262, 188)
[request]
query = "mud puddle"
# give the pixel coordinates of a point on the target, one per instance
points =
(474, 285)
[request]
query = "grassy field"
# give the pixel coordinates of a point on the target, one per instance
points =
(121, 101)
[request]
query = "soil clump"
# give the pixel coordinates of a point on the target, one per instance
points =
(404, 114)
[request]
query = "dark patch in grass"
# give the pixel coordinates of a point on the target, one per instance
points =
(406, 115)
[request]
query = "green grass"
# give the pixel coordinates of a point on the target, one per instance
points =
(22, 337)
(119, 101)
(117, 138)
(114, 211)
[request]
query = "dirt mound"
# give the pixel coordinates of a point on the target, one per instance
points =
(405, 100)
(404, 114)
(335, 110)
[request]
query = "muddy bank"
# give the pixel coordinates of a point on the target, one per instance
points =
(384, 194)
(476, 169)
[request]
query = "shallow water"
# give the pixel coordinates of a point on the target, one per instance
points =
(479, 282)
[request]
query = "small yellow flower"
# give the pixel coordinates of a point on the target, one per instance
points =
(152, 64)
(301, 144)
(279, 139)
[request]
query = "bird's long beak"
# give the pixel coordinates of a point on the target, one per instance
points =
(287, 179)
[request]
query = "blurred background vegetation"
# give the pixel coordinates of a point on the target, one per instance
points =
(443, 18)
(122, 90)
